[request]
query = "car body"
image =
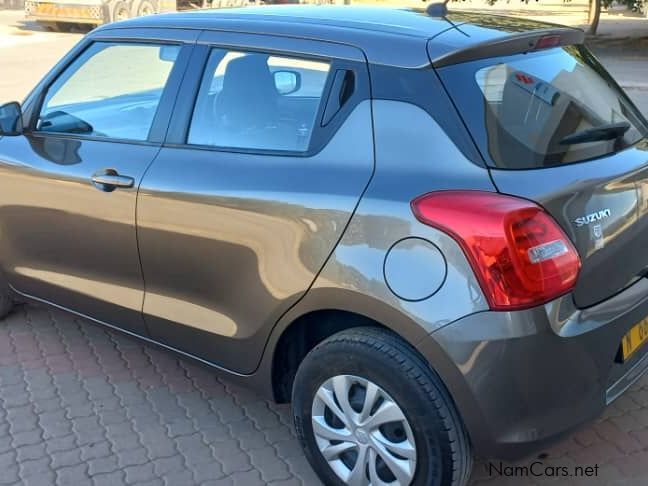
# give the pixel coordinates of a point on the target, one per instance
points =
(248, 249)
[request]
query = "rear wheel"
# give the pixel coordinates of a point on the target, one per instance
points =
(120, 11)
(143, 7)
(368, 410)
(6, 298)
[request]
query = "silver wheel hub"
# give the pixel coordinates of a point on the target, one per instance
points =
(362, 436)
(362, 433)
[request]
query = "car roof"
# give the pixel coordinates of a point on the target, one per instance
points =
(387, 35)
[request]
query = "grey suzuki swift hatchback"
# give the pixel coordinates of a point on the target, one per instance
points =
(427, 231)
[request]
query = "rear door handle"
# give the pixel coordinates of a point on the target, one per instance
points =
(108, 180)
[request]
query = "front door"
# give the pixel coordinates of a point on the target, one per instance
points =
(68, 187)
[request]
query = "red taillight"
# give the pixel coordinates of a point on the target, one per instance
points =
(548, 41)
(519, 253)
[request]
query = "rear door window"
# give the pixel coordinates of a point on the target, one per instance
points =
(543, 109)
(258, 101)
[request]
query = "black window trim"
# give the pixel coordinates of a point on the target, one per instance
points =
(321, 135)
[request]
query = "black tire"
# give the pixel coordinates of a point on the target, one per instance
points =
(6, 299)
(443, 452)
(141, 8)
(57, 26)
(85, 28)
(120, 10)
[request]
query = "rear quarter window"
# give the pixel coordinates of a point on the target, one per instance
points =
(543, 109)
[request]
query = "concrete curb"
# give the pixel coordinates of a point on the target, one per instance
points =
(633, 85)
(609, 42)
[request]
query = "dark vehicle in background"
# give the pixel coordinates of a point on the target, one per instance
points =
(426, 232)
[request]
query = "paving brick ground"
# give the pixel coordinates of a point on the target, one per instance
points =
(84, 405)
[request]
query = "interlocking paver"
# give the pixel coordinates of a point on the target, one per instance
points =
(207, 471)
(286, 482)
(35, 467)
(180, 426)
(80, 404)
(95, 450)
(181, 476)
(101, 465)
(72, 475)
(108, 479)
(267, 462)
(29, 437)
(21, 419)
(235, 461)
(141, 473)
(30, 452)
(132, 457)
(152, 482)
(6, 444)
(167, 465)
(66, 458)
(9, 475)
(40, 479)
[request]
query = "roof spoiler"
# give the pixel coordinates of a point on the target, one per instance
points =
(519, 43)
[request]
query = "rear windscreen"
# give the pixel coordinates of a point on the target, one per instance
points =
(543, 109)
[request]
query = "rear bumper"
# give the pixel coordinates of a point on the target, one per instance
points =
(61, 12)
(523, 379)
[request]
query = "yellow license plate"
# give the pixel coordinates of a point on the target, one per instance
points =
(634, 339)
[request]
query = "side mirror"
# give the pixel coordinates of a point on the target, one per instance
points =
(11, 119)
(287, 82)
(169, 53)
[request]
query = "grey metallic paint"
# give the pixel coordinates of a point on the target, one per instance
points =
(421, 160)
(65, 241)
(259, 241)
(555, 368)
(240, 229)
(618, 183)
(414, 269)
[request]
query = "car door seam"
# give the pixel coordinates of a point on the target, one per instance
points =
(344, 230)
(139, 186)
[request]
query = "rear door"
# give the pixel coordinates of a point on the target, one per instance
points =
(264, 164)
(555, 128)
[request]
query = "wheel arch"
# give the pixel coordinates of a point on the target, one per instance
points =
(301, 336)
(319, 310)
(322, 313)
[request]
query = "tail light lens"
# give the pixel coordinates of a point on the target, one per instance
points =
(519, 254)
(547, 42)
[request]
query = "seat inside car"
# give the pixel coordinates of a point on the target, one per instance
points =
(248, 100)
(241, 106)
(246, 111)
